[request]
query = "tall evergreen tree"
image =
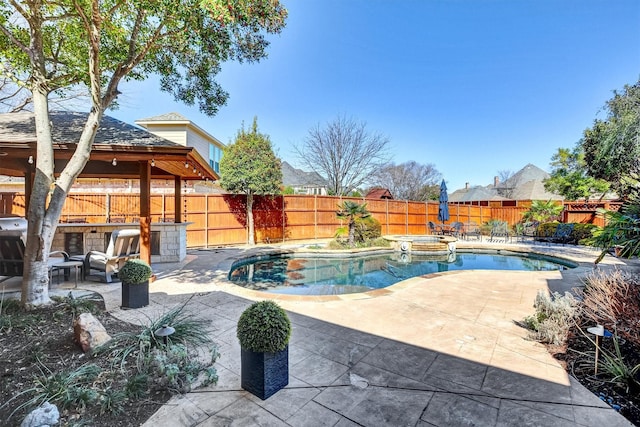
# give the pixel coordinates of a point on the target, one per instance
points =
(249, 166)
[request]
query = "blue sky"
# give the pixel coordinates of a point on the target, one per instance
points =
(471, 86)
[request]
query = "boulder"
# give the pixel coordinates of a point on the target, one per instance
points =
(43, 416)
(89, 333)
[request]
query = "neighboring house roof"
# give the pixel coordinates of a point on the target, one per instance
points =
(475, 193)
(526, 184)
(534, 190)
(292, 177)
(379, 193)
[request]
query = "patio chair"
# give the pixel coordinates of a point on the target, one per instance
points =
(527, 232)
(123, 245)
(456, 229)
(472, 230)
(561, 235)
(433, 228)
(500, 231)
(12, 256)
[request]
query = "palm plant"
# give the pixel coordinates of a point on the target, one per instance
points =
(543, 211)
(351, 211)
(622, 229)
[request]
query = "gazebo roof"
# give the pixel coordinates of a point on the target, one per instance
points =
(127, 144)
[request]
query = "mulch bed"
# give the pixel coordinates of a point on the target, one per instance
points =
(41, 341)
(577, 356)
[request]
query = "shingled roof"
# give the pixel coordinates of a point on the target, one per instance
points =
(67, 127)
(114, 139)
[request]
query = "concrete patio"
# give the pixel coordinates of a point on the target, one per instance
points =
(441, 350)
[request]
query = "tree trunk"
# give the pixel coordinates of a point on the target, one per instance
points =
(42, 218)
(352, 232)
(251, 239)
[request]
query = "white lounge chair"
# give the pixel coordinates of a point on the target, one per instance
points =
(123, 245)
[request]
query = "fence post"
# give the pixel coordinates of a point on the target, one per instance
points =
(315, 216)
(107, 207)
(406, 218)
(206, 220)
(284, 230)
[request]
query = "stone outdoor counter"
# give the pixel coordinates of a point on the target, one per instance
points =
(168, 240)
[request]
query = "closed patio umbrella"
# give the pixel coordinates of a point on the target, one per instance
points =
(443, 207)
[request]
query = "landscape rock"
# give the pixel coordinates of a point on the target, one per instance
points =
(43, 416)
(89, 333)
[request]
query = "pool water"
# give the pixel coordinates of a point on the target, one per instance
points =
(331, 276)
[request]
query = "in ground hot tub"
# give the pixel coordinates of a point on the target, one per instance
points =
(427, 243)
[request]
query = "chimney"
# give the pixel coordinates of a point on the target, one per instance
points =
(496, 181)
(466, 185)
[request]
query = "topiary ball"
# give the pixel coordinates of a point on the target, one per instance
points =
(264, 327)
(135, 271)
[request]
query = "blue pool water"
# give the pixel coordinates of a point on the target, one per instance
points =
(331, 276)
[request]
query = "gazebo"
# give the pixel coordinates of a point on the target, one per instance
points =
(120, 151)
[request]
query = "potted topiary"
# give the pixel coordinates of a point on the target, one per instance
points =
(264, 331)
(135, 274)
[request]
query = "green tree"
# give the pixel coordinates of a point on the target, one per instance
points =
(543, 211)
(249, 166)
(612, 145)
(569, 176)
(351, 211)
(93, 45)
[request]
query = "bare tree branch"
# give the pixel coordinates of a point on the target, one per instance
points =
(344, 152)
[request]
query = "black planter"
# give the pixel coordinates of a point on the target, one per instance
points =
(135, 296)
(263, 374)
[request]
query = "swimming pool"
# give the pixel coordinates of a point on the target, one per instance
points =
(286, 274)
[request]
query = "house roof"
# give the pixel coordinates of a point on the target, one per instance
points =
(292, 177)
(526, 184)
(115, 139)
(474, 194)
(379, 193)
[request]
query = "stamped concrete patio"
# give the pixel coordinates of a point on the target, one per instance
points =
(441, 350)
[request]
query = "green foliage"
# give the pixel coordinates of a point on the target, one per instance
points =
(112, 401)
(554, 316)
(64, 389)
(135, 271)
(620, 371)
(367, 228)
(249, 165)
(288, 190)
(582, 233)
(77, 305)
(622, 230)
(137, 386)
(543, 211)
(612, 146)
(569, 176)
(178, 369)
(264, 327)
(173, 365)
(183, 42)
(352, 211)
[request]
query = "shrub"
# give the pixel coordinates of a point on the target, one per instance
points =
(264, 327)
(611, 299)
(135, 271)
(553, 318)
(583, 232)
(367, 228)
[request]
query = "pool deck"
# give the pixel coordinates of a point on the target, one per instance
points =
(440, 350)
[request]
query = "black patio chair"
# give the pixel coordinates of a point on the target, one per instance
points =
(500, 231)
(562, 235)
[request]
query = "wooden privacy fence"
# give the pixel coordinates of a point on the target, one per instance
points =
(220, 219)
